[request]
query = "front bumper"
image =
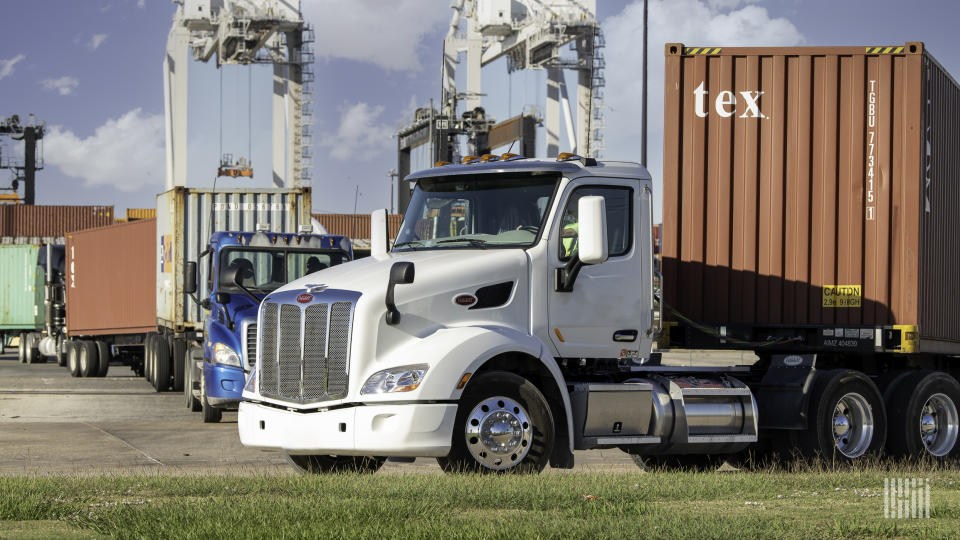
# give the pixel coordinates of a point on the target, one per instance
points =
(408, 430)
(224, 385)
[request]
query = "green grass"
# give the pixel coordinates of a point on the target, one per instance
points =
(806, 502)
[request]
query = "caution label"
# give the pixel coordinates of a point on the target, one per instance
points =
(842, 296)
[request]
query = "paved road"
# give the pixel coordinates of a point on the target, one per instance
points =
(51, 423)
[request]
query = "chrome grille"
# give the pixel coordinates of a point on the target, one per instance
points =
(304, 356)
(250, 347)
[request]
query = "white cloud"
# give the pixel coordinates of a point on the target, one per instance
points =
(96, 40)
(386, 34)
(65, 85)
(6, 66)
(125, 153)
(361, 134)
(141, 4)
(692, 22)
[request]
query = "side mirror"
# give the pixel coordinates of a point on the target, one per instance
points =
(592, 231)
(401, 273)
(379, 236)
(190, 277)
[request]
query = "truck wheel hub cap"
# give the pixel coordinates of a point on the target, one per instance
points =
(498, 433)
(939, 425)
(852, 425)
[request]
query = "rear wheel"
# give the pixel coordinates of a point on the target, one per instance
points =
(61, 353)
(211, 414)
(148, 358)
(161, 363)
(22, 348)
(73, 357)
(31, 352)
(923, 416)
(103, 358)
(336, 464)
(88, 359)
(503, 424)
(178, 348)
(847, 419)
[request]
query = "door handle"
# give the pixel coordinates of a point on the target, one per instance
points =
(625, 335)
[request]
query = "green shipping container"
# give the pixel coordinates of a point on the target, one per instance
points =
(21, 289)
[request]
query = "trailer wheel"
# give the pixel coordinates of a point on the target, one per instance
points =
(103, 358)
(89, 365)
(73, 358)
(336, 464)
(178, 347)
(161, 363)
(151, 357)
(923, 416)
(847, 418)
(22, 348)
(61, 353)
(503, 424)
(211, 414)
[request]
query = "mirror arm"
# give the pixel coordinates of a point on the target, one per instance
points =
(567, 274)
(248, 293)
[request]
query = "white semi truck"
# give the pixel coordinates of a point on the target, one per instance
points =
(513, 322)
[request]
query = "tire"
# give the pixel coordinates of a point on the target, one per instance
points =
(103, 358)
(923, 418)
(211, 414)
(847, 419)
(193, 403)
(73, 357)
(336, 464)
(149, 352)
(31, 354)
(61, 353)
(686, 462)
(22, 348)
(89, 363)
(178, 347)
(519, 405)
(161, 363)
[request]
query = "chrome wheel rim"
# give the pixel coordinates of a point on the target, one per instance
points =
(852, 425)
(939, 425)
(498, 433)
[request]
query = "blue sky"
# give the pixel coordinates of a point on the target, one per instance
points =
(92, 70)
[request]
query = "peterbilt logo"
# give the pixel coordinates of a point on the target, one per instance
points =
(727, 103)
(304, 298)
(465, 300)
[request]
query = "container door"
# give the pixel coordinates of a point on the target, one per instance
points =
(608, 314)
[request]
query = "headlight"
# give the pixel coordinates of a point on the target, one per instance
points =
(398, 379)
(225, 355)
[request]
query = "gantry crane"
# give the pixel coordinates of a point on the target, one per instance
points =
(32, 160)
(530, 34)
(244, 32)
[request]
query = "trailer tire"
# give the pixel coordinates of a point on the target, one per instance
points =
(519, 406)
(73, 358)
(178, 347)
(161, 363)
(61, 353)
(89, 364)
(103, 358)
(211, 414)
(923, 416)
(846, 416)
(336, 464)
(22, 348)
(147, 354)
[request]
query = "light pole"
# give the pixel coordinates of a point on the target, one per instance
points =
(392, 173)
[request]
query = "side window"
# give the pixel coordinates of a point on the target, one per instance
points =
(619, 203)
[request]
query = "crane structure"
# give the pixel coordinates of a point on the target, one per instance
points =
(32, 161)
(531, 35)
(244, 32)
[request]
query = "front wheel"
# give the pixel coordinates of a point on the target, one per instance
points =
(211, 414)
(336, 464)
(503, 424)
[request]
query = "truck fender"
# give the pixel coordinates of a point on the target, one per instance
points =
(466, 349)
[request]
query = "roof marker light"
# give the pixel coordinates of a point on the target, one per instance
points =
(469, 159)
(510, 157)
(441, 163)
(489, 157)
(568, 156)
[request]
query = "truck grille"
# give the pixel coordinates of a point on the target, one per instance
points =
(305, 352)
(250, 346)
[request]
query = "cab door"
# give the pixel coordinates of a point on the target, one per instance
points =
(609, 311)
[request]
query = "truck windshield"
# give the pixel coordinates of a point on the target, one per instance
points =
(476, 212)
(268, 269)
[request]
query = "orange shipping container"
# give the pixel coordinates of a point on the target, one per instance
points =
(813, 186)
(111, 279)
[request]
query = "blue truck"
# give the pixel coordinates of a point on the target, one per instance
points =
(242, 268)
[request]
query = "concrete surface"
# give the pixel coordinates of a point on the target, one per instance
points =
(52, 423)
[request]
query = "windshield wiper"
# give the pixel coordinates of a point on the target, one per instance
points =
(412, 244)
(475, 242)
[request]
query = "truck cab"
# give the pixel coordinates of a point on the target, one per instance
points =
(243, 268)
